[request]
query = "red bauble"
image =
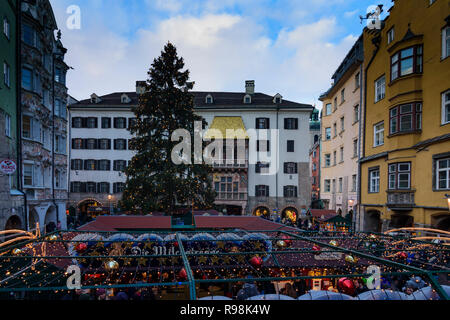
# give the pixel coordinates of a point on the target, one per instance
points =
(182, 274)
(175, 244)
(287, 240)
(256, 262)
(81, 247)
(402, 255)
(346, 285)
(317, 249)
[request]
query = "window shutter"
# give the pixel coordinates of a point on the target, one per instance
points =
(268, 123)
(296, 123)
(72, 164)
(108, 167)
(296, 192)
(296, 167)
(257, 167)
(109, 144)
(85, 164)
(115, 142)
(83, 187)
(97, 187)
(84, 122)
(285, 167)
(267, 191)
(114, 187)
(71, 187)
(115, 123)
(285, 123)
(84, 144)
(268, 146)
(73, 143)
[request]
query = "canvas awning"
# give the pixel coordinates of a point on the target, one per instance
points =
(229, 127)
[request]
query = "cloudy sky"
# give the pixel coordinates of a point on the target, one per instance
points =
(291, 47)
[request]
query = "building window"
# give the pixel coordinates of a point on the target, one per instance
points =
(380, 89)
(7, 125)
(327, 160)
(291, 123)
(391, 35)
(120, 123)
(77, 122)
(342, 95)
(262, 123)
(290, 167)
(327, 185)
(328, 109)
(446, 107)
(406, 61)
(357, 80)
(6, 74)
(333, 186)
(355, 148)
(28, 35)
(132, 122)
(261, 191)
(334, 129)
(355, 114)
(27, 79)
(314, 167)
(104, 144)
(91, 144)
(263, 145)
(290, 145)
(103, 187)
(400, 176)
(354, 183)
(60, 76)
(120, 165)
(327, 133)
(57, 179)
(60, 144)
(27, 127)
(335, 104)
(91, 123)
(104, 165)
(290, 191)
(340, 185)
(445, 42)
(28, 175)
(6, 28)
(374, 180)
(404, 118)
(342, 154)
(106, 123)
(119, 187)
(247, 99)
(90, 165)
(443, 174)
(120, 144)
(342, 124)
(77, 164)
(77, 144)
(378, 134)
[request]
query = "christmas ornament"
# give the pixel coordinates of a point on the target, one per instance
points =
(53, 237)
(286, 240)
(182, 274)
(333, 243)
(256, 261)
(350, 259)
(317, 249)
(346, 286)
(111, 265)
(281, 244)
(81, 247)
(16, 252)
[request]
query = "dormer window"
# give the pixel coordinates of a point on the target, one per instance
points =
(95, 98)
(209, 99)
(277, 99)
(124, 98)
(247, 99)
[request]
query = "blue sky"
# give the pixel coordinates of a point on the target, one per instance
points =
(291, 47)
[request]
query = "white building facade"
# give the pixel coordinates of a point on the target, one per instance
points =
(243, 186)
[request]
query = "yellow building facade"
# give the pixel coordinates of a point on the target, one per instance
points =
(405, 165)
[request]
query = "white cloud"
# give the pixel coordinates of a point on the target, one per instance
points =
(349, 14)
(220, 50)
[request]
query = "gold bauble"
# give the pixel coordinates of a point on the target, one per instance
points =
(111, 265)
(281, 243)
(333, 243)
(53, 237)
(16, 251)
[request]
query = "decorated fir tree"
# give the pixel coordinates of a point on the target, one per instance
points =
(154, 181)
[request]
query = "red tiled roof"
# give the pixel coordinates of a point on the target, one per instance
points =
(115, 223)
(239, 222)
(327, 214)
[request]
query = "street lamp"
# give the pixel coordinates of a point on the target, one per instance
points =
(110, 203)
(447, 196)
(351, 202)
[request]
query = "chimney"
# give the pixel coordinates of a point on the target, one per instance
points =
(250, 86)
(140, 87)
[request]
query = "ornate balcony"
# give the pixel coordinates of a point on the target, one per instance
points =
(400, 198)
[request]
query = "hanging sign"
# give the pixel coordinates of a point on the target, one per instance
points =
(8, 166)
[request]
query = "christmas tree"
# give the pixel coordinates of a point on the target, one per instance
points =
(154, 181)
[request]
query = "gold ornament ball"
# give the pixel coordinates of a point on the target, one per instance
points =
(16, 252)
(111, 265)
(333, 243)
(281, 243)
(53, 237)
(350, 259)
